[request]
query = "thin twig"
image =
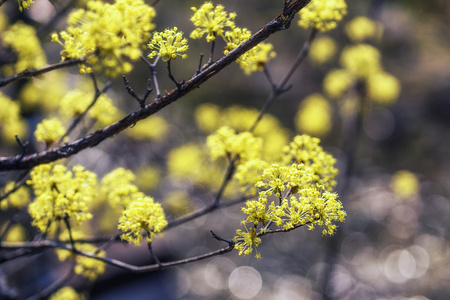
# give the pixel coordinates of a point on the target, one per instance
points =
(36, 72)
(153, 73)
(42, 245)
(80, 117)
(280, 88)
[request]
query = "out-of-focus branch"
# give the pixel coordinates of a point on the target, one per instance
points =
(36, 72)
(17, 162)
(32, 247)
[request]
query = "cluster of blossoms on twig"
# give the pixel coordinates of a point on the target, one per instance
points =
(292, 192)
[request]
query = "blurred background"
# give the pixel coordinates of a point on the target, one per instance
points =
(394, 184)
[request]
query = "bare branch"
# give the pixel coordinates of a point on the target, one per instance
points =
(279, 23)
(36, 72)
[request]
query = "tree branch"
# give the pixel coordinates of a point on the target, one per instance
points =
(279, 23)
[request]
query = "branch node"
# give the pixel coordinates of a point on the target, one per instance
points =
(215, 236)
(22, 145)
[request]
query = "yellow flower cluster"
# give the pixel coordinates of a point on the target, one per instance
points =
(168, 44)
(226, 143)
(142, 215)
(61, 193)
(17, 200)
(301, 181)
(44, 93)
(405, 184)
(87, 267)
(209, 117)
(322, 50)
(322, 14)
(49, 131)
(307, 151)
(255, 59)
(108, 35)
(11, 122)
(22, 39)
(337, 82)
(16, 233)
(215, 21)
(314, 115)
(362, 28)
(66, 293)
(153, 128)
(25, 4)
(75, 102)
(361, 63)
(211, 21)
(117, 188)
(383, 88)
(361, 60)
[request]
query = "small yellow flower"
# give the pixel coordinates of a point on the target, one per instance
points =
(337, 82)
(256, 58)
(17, 200)
(25, 4)
(362, 28)
(322, 14)
(66, 293)
(405, 184)
(226, 143)
(314, 116)
(383, 88)
(211, 21)
(322, 50)
(22, 39)
(169, 44)
(153, 128)
(49, 131)
(142, 215)
(361, 60)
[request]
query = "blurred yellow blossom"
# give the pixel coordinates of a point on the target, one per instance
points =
(362, 28)
(118, 188)
(226, 143)
(322, 50)
(405, 184)
(177, 203)
(148, 178)
(337, 82)
(383, 88)
(361, 60)
(16, 233)
(45, 92)
(87, 267)
(24, 42)
(154, 127)
(11, 122)
(314, 115)
(207, 117)
(66, 293)
(75, 102)
(17, 200)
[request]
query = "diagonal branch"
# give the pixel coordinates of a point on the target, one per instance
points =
(279, 23)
